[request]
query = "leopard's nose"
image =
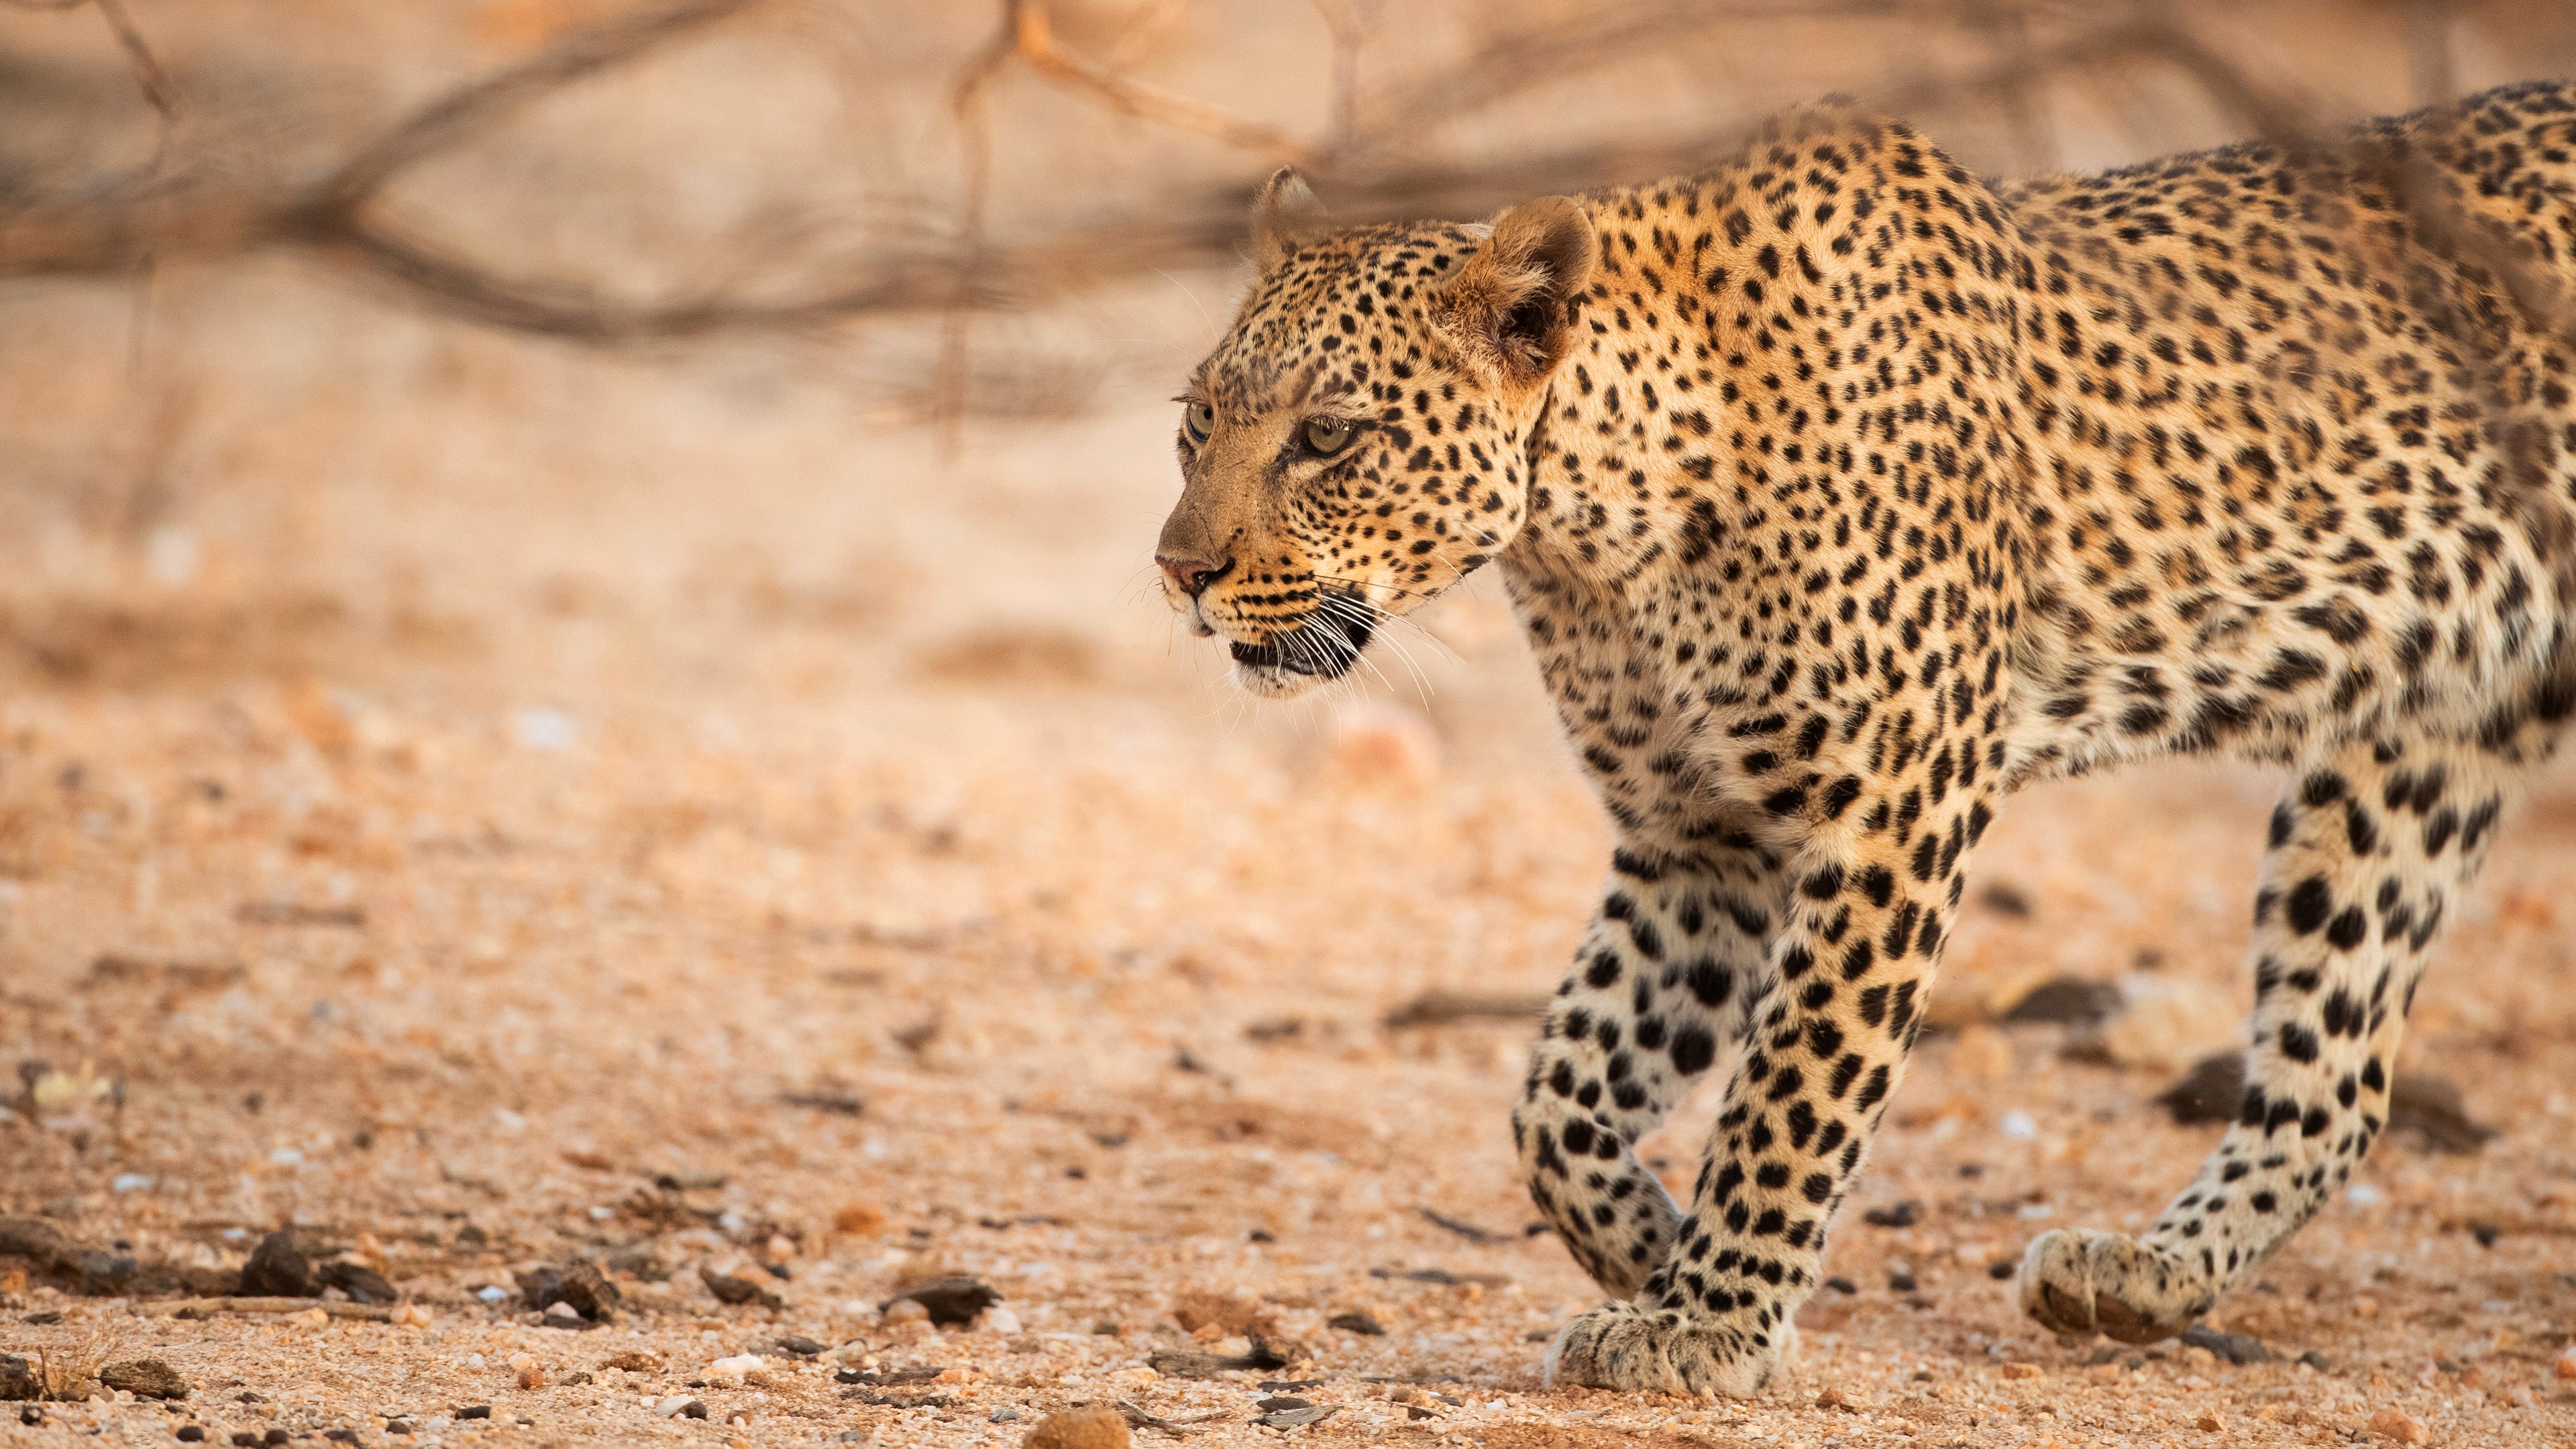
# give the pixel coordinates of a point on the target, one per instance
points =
(1191, 575)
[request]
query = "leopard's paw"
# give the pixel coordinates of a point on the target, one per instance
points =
(1622, 1346)
(2082, 1281)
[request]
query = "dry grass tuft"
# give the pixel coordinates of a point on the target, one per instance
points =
(70, 1374)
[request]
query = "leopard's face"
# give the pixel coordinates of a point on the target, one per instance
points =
(1354, 446)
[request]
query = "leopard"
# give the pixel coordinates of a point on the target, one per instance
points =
(1840, 493)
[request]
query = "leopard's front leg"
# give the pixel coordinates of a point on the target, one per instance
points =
(1669, 972)
(1854, 956)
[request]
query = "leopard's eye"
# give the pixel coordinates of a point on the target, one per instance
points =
(1197, 421)
(1327, 436)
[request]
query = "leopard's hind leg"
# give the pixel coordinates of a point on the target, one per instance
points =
(2370, 851)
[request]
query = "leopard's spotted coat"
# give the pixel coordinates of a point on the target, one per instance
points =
(1840, 493)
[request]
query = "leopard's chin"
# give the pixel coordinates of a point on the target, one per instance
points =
(1317, 649)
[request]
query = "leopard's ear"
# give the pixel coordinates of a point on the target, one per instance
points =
(1284, 211)
(1509, 311)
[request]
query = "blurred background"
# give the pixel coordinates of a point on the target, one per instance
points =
(575, 571)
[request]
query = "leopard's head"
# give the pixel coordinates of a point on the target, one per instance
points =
(1359, 440)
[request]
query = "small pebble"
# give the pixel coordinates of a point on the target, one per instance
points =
(192, 1433)
(1088, 1428)
(471, 1411)
(1356, 1323)
(2237, 1348)
(2021, 1371)
(2210, 1423)
(732, 1371)
(1005, 1416)
(277, 1270)
(2396, 1428)
(2316, 1360)
(1901, 1282)
(145, 1378)
(1842, 1285)
(905, 1310)
(693, 1410)
(998, 1319)
(953, 1300)
(2566, 1366)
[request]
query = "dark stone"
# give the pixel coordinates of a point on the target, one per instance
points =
(18, 1378)
(1106, 1328)
(2237, 1348)
(475, 1411)
(191, 1434)
(1356, 1323)
(2004, 898)
(738, 1291)
(145, 1378)
(1202, 1365)
(276, 1436)
(2067, 1001)
(2485, 1233)
(362, 1283)
(2214, 1089)
(243, 1438)
(1901, 1283)
(29, 1237)
(581, 1287)
(2002, 1268)
(2317, 1361)
(950, 1300)
(801, 1347)
(343, 1436)
(2419, 1102)
(2210, 1092)
(1842, 1285)
(104, 1275)
(43, 1319)
(277, 1270)
(1901, 1215)
(693, 1409)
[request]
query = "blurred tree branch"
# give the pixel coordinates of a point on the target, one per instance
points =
(1369, 166)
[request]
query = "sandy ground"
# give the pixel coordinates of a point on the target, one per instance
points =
(475, 807)
(857, 849)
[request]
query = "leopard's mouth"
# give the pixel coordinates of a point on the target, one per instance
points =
(1323, 645)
